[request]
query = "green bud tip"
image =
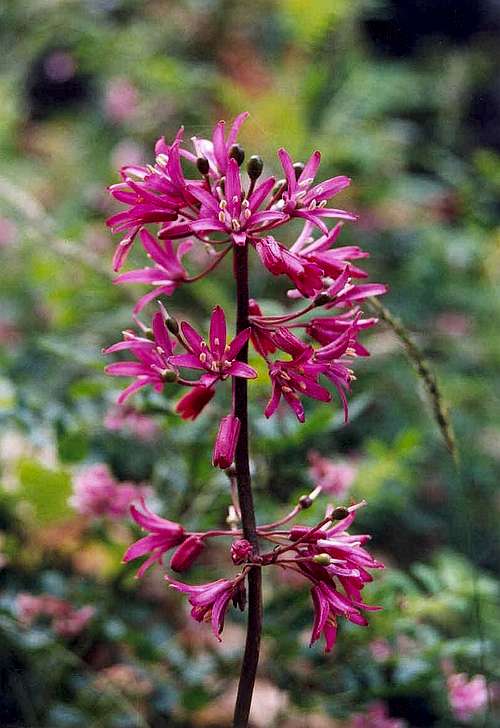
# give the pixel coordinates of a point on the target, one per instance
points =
(322, 559)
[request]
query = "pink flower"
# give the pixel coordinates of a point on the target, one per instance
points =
(96, 493)
(333, 478)
(230, 211)
(217, 358)
(65, 620)
(216, 151)
(301, 200)
(131, 421)
(210, 601)
(377, 716)
(191, 404)
(153, 365)
(120, 101)
(331, 260)
(293, 378)
(307, 276)
(467, 697)
(381, 650)
(167, 274)
(225, 443)
(163, 536)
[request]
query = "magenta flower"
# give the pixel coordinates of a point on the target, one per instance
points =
(131, 421)
(331, 260)
(217, 150)
(191, 404)
(167, 274)
(225, 443)
(231, 211)
(163, 536)
(467, 697)
(307, 276)
(217, 358)
(334, 478)
(210, 601)
(153, 365)
(300, 199)
(293, 378)
(260, 338)
(377, 716)
(241, 551)
(97, 494)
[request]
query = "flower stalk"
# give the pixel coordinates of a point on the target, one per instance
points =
(245, 497)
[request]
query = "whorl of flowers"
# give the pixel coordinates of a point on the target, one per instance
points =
(204, 198)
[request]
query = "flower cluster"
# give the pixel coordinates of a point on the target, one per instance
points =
(97, 494)
(218, 206)
(64, 619)
(332, 561)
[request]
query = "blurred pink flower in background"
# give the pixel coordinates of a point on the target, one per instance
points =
(60, 66)
(467, 697)
(334, 478)
(65, 620)
(131, 421)
(127, 152)
(376, 716)
(97, 494)
(8, 232)
(120, 100)
(381, 650)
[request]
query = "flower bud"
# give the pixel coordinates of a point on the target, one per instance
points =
(172, 325)
(302, 532)
(202, 165)
(241, 550)
(187, 553)
(322, 559)
(238, 153)
(305, 501)
(225, 443)
(339, 513)
(255, 166)
(321, 299)
(299, 168)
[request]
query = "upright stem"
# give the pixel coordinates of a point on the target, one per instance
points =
(254, 625)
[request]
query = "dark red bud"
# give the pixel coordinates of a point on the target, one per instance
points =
(202, 165)
(238, 153)
(338, 514)
(299, 168)
(187, 553)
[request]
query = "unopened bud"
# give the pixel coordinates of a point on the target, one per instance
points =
(299, 168)
(238, 153)
(255, 166)
(305, 501)
(148, 333)
(241, 550)
(187, 553)
(339, 513)
(202, 165)
(170, 376)
(322, 559)
(172, 325)
(321, 299)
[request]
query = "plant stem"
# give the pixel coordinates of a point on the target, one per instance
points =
(254, 625)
